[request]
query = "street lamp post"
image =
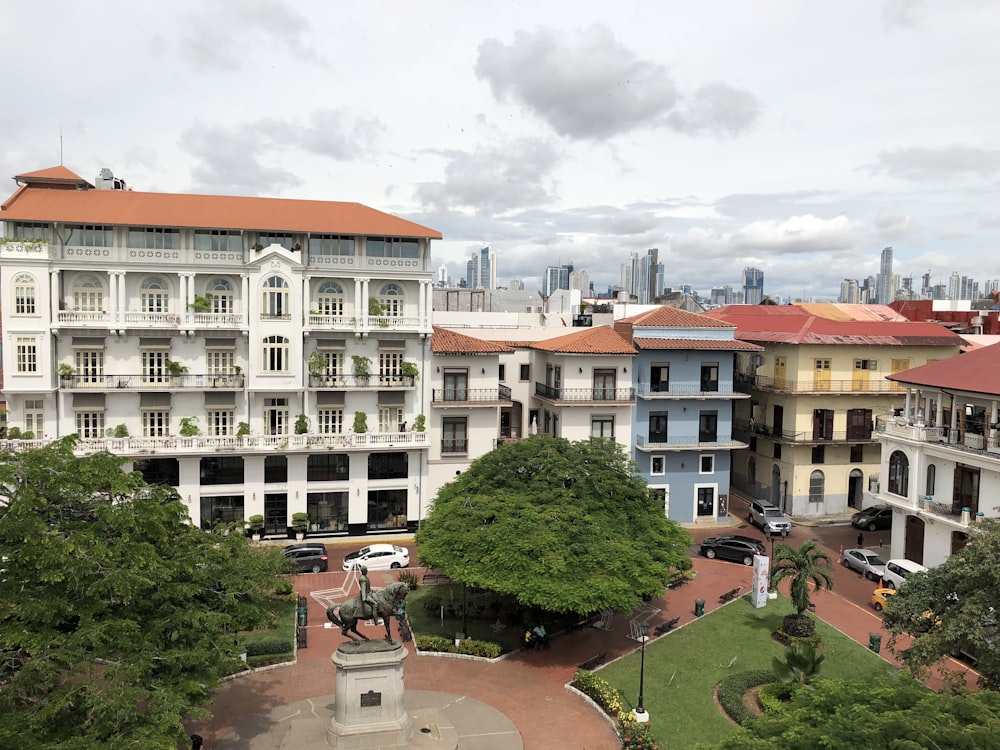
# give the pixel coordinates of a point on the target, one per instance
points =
(640, 713)
(770, 565)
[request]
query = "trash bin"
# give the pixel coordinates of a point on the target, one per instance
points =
(875, 642)
(302, 616)
(459, 637)
(699, 607)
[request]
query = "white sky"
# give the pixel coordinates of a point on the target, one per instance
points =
(800, 137)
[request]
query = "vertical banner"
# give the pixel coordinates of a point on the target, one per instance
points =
(761, 571)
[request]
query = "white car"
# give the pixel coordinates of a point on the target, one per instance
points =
(378, 557)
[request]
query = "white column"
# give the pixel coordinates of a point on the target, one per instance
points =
(54, 294)
(953, 431)
(939, 410)
(306, 297)
(245, 302)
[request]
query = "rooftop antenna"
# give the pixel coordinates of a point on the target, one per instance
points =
(60, 146)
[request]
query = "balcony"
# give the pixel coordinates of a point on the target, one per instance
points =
(360, 382)
(966, 441)
(847, 437)
(931, 512)
(470, 396)
(658, 443)
(691, 391)
(785, 385)
(585, 395)
(164, 320)
(152, 382)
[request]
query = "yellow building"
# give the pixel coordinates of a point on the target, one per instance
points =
(815, 394)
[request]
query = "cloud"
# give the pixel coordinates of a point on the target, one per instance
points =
(924, 164)
(496, 178)
(900, 13)
(717, 108)
(229, 162)
(798, 235)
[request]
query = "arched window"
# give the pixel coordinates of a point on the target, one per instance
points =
(220, 292)
(931, 476)
(275, 300)
(154, 297)
(392, 300)
(816, 486)
(25, 292)
(330, 300)
(899, 474)
(275, 354)
(88, 294)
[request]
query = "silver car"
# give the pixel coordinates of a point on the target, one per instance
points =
(868, 563)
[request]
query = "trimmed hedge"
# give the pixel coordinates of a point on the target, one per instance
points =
(268, 646)
(486, 649)
(634, 736)
(732, 688)
(775, 696)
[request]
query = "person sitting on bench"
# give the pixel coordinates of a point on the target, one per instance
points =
(542, 638)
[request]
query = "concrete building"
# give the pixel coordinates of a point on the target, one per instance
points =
(886, 291)
(262, 356)
(753, 286)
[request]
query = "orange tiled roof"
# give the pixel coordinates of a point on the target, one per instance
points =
(724, 345)
(447, 341)
(673, 317)
(52, 174)
(37, 201)
(600, 340)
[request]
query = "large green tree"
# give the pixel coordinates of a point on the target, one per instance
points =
(563, 526)
(117, 616)
(890, 713)
(954, 607)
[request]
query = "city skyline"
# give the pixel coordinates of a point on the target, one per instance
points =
(799, 139)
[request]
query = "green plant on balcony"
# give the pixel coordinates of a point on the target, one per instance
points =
(236, 369)
(14, 433)
(189, 427)
(360, 366)
(419, 423)
(300, 522)
(360, 422)
(176, 369)
(65, 370)
(409, 369)
(242, 429)
(375, 308)
(317, 364)
(119, 431)
(201, 304)
(258, 247)
(301, 424)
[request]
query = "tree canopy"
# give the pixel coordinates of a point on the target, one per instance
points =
(954, 607)
(559, 525)
(892, 713)
(117, 616)
(806, 565)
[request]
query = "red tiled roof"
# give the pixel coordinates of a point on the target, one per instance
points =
(52, 174)
(790, 324)
(447, 341)
(600, 340)
(672, 317)
(735, 346)
(39, 202)
(973, 372)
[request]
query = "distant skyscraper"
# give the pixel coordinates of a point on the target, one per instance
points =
(753, 286)
(954, 285)
(925, 284)
(580, 280)
(515, 285)
(481, 270)
(556, 277)
(443, 276)
(885, 293)
(849, 291)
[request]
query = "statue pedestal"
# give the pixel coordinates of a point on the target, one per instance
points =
(369, 711)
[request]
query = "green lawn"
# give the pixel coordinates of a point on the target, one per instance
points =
(481, 615)
(284, 626)
(683, 667)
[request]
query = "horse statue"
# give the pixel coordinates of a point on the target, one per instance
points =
(390, 601)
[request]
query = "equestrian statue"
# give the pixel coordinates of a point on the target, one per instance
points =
(390, 601)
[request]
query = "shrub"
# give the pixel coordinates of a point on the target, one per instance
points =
(267, 646)
(635, 736)
(731, 691)
(486, 649)
(283, 587)
(410, 579)
(432, 603)
(774, 697)
(789, 640)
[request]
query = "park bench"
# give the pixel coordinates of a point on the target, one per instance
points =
(430, 578)
(730, 595)
(677, 581)
(301, 637)
(594, 661)
(666, 627)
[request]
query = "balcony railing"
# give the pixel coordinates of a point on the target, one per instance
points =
(470, 395)
(688, 390)
(872, 385)
(360, 381)
(675, 442)
(454, 446)
(967, 441)
(805, 436)
(151, 382)
(626, 395)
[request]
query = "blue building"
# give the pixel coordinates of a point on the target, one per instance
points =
(683, 379)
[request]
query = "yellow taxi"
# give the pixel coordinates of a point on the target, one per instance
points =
(879, 596)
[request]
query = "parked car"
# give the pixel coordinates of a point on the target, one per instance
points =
(769, 518)
(864, 561)
(874, 518)
(897, 571)
(733, 547)
(378, 557)
(308, 556)
(879, 596)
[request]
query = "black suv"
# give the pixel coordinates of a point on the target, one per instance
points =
(733, 547)
(308, 556)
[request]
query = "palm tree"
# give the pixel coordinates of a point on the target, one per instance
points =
(800, 665)
(805, 565)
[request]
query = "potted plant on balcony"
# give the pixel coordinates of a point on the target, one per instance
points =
(360, 423)
(317, 364)
(65, 371)
(419, 423)
(409, 369)
(301, 424)
(176, 369)
(242, 429)
(361, 367)
(189, 427)
(256, 524)
(201, 304)
(300, 522)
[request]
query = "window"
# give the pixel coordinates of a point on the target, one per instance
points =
(931, 475)
(90, 424)
(389, 364)
(454, 435)
(275, 469)
(859, 424)
(154, 238)
(222, 470)
(331, 244)
(819, 454)
(154, 296)
(709, 377)
(220, 422)
(155, 423)
(26, 354)
(658, 465)
(602, 427)
(822, 424)
(220, 510)
(899, 474)
(706, 501)
(660, 497)
(392, 247)
(658, 427)
(502, 374)
(34, 417)
(706, 465)
(219, 361)
(89, 366)
(88, 295)
(390, 419)
(25, 291)
(330, 421)
(816, 483)
(391, 300)
(29, 232)
(275, 354)
(776, 453)
(91, 235)
(160, 471)
(218, 240)
(604, 384)
(327, 510)
(275, 416)
(334, 364)
(386, 509)
(274, 302)
(387, 466)
(708, 426)
(330, 300)
(285, 240)
(659, 378)
(753, 444)
(327, 467)
(221, 295)
(525, 374)
(456, 384)
(857, 454)
(154, 366)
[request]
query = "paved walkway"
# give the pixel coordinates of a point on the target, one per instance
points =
(527, 687)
